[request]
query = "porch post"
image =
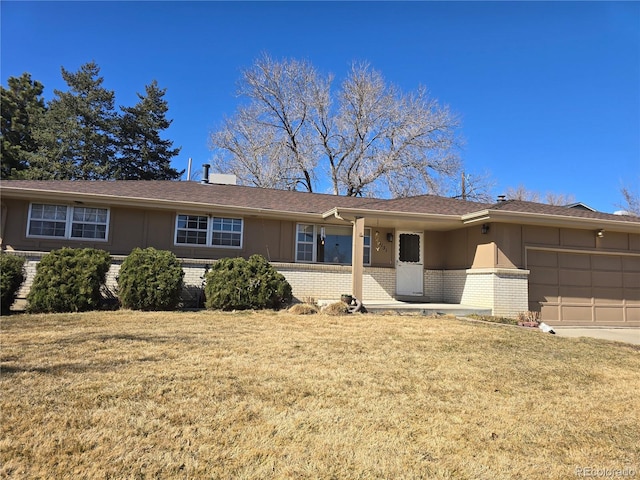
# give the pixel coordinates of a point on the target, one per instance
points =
(357, 266)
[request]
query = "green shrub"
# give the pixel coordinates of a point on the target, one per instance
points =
(239, 284)
(11, 278)
(69, 280)
(150, 279)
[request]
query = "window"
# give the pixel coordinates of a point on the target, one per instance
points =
(409, 245)
(305, 243)
(328, 244)
(192, 229)
(62, 221)
(227, 232)
(89, 223)
(209, 231)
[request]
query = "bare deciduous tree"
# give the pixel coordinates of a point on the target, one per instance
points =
(631, 200)
(475, 187)
(375, 139)
(551, 198)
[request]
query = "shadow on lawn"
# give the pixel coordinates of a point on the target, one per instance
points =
(11, 366)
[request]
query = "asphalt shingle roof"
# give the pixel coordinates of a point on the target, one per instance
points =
(519, 206)
(290, 201)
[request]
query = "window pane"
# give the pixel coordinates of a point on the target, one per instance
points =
(48, 220)
(305, 253)
(48, 212)
(227, 232)
(89, 223)
(304, 243)
(47, 228)
(409, 247)
(192, 229)
(338, 245)
(366, 254)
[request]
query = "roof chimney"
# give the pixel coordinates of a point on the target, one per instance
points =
(205, 173)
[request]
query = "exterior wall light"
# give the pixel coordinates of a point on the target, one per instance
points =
(389, 237)
(600, 233)
(485, 228)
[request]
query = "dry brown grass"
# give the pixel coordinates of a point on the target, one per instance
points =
(265, 395)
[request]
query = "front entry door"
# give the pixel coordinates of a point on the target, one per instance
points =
(410, 264)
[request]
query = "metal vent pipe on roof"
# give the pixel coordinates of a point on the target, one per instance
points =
(502, 198)
(205, 173)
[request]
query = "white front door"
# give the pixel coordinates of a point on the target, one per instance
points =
(410, 264)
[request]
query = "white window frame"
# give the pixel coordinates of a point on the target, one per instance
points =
(223, 231)
(316, 230)
(69, 222)
(313, 243)
(210, 231)
(182, 244)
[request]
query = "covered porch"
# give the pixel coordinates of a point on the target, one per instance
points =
(438, 264)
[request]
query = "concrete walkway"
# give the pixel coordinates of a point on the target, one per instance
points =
(620, 334)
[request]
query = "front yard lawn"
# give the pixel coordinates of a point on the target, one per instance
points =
(273, 395)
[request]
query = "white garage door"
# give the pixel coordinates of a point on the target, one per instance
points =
(576, 288)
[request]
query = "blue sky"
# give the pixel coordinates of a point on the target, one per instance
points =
(548, 93)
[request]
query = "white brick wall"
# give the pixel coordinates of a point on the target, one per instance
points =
(453, 285)
(434, 286)
(505, 291)
(511, 293)
(327, 282)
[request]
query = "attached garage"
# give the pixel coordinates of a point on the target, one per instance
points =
(578, 288)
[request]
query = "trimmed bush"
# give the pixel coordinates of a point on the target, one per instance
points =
(239, 284)
(69, 280)
(150, 279)
(11, 277)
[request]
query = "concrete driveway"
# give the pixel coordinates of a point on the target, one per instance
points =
(621, 334)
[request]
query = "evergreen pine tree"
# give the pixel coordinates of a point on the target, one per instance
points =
(144, 155)
(22, 107)
(77, 137)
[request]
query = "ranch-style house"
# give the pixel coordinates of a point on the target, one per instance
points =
(574, 265)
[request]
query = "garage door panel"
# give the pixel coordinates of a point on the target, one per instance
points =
(571, 294)
(608, 295)
(544, 276)
(550, 312)
(631, 264)
(632, 296)
(574, 261)
(609, 315)
(631, 280)
(541, 258)
(576, 313)
(633, 314)
(543, 293)
(575, 278)
(606, 279)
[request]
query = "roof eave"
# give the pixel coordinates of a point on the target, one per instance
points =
(540, 219)
(152, 203)
(394, 217)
